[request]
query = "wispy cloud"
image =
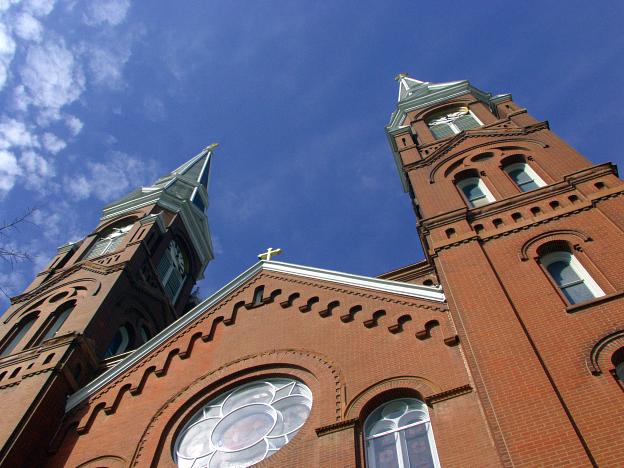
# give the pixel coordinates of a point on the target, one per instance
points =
(110, 177)
(112, 12)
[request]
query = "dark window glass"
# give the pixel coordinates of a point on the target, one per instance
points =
(570, 283)
(16, 335)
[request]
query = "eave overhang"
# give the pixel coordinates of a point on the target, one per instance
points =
(193, 219)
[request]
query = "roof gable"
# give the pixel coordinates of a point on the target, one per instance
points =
(429, 294)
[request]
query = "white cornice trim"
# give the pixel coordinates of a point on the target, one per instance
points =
(431, 293)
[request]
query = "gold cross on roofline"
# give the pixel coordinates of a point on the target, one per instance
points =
(271, 252)
(400, 76)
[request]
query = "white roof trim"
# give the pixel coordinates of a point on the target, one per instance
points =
(394, 287)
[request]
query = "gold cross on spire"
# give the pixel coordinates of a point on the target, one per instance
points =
(400, 76)
(211, 147)
(271, 252)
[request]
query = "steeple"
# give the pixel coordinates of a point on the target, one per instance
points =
(184, 190)
(406, 84)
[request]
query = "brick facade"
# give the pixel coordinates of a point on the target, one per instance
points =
(513, 373)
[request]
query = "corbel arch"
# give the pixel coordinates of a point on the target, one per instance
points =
(74, 289)
(483, 147)
(406, 385)
(599, 358)
(530, 247)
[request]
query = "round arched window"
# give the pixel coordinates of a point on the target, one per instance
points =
(244, 425)
(398, 433)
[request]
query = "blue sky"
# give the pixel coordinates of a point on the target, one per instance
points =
(99, 97)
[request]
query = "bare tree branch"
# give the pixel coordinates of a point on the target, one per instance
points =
(9, 253)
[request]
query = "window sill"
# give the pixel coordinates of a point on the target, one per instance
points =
(599, 300)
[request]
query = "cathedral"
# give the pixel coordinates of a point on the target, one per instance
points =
(503, 347)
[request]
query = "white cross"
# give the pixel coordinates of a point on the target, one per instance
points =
(271, 252)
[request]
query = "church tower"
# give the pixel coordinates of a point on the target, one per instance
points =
(98, 299)
(525, 235)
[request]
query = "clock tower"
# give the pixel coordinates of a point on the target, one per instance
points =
(98, 299)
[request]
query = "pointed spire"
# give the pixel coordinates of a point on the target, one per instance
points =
(406, 84)
(193, 171)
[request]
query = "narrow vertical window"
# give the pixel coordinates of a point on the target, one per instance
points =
(475, 192)
(121, 342)
(618, 361)
(54, 323)
(399, 434)
(570, 277)
(16, 334)
(524, 177)
(172, 271)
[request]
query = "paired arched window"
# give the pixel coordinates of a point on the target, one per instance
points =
(109, 241)
(570, 276)
(121, 342)
(54, 323)
(451, 122)
(16, 334)
(172, 270)
(399, 434)
(524, 176)
(475, 191)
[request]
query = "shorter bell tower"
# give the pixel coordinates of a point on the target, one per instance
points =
(98, 299)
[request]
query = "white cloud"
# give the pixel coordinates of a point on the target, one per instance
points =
(119, 174)
(7, 51)
(39, 7)
(51, 76)
(106, 11)
(106, 65)
(9, 170)
(74, 124)
(37, 171)
(52, 143)
(27, 27)
(14, 133)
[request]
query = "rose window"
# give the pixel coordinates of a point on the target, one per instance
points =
(244, 425)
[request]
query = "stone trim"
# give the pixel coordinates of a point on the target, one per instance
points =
(448, 394)
(336, 427)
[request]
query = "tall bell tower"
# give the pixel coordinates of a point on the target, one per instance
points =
(98, 299)
(526, 237)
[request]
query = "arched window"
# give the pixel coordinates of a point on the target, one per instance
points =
(618, 361)
(451, 122)
(475, 192)
(121, 342)
(399, 434)
(570, 276)
(244, 425)
(16, 334)
(109, 241)
(54, 322)
(172, 270)
(524, 176)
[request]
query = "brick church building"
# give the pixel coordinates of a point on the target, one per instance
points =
(503, 347)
